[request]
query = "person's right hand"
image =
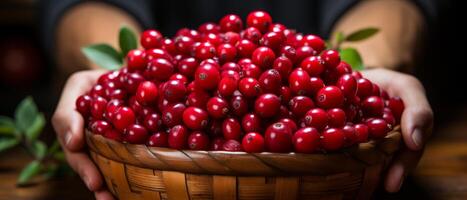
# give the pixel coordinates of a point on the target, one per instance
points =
(69, 125)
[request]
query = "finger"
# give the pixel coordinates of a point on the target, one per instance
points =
(404, 162)
(103, 195)
(85, 168)
(67, 122)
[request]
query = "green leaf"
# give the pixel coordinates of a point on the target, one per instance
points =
(39, 149)
(103, 55)
(25, 114)
(35, 129)
(127, 40)
(361, 34)
(352, 57)
(7, 126)
(340, 37)
(53, 148)
(31, 170)
(8, 142)
(59, 155)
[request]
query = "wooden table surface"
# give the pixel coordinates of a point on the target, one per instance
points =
(441, 174)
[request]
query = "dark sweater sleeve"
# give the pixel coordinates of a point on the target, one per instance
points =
(50, 12)
(330, 11)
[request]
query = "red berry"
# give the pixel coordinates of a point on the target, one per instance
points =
(285, 94)
(83, 105)
(260, 20)
(289, 52)
(304, 52)
(231, 23)
(250, 70)
(299, 105)
(231, 129)
(187, 66)
(227, 86)
(267, 105)
(373, 106)
(204, 51)
(278, 138)
(195, 118)
(112, 106)
(113, 135)
(314, 42)
(183, 44)
(98, 107)
(317, 118)
(217, 107)
(329, 97)
(316, 84)
(217, 144)
(378, 128)
(239, 105)
(178, 136)
(231, 38)
(245, 48)
(135, 134)
(389, 117)
(313, 65)
(151, 39)
(232, 145)
(153, 54)
(252, 34)
(336, 117)
(174, 90)
(158, 139)
(289, 123)
(153, 122)
(253, 143)
(159, 69)
(249, 87)
(348, 84)
(361, 131)
(207, 76)
(270, 81)
(332, 139)
(350, 135)
(136, 59)
(197, 99)
(272, 40)
(100, 127)
(198, 141)
(397, 107)
(226, 53)
(123, 117)
(299, 82)
(284, 66)
(331, 58)
(263, 57)
(344, 68)
(365, 87)
(277, 28)
(173, 114)
(251, 123)
(146, 93)
(306, 140)
(169, 46)
(209, 27)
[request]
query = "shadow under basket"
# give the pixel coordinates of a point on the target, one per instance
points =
(141, 172)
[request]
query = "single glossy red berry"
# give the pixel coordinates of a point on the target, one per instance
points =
(217, 143)
(306, 140)
(226, 53)
(158, 139)
(217, 107)
(313, 65)
(376, 91)
(336, 117)
(231, 129)
(331, 58)
(231, 38)
(204, 51)
(263, 57)
(252, 34)
(174, 91)
(98, 91)
(316, 84)
(231, 23)
(230, 66)
(314, 42)
(198, 140)
(187, 66)
(152, 54)
(344, 68)
(209, 27)
(250, 70)
(159, 69)
(270, 81)
(195, 118)
(329, 97)
(113, 135)
(83, 105)
(272, 40)
(277, 28)
(251, 123)
(284, 66)
(178, 136)
(207, 76)
(373, 106)
(304, 52)
(98, 107)
(350, 135)
(193, 34)
(197, 99)
(151, 39)
(179, 77)
(232, 145)
(289, 52)
(260, 20)
(99, 127)
(397, 107)
(253, 143)
(332, 139)
(112, 106)
(249, 87)
(123, 117)
(267, 105)
(135, 134)
(239, 105)
(146, 93)
(136, 59)
(364, 87)
(278, 138)
(389, 117)
(361, 131)
(289, 123)
(299, 105)
(317, 118)
(245, 48)
(153, 122)
(184, 44)
(299, 82)
(169, 46)
(212, 38)
(378, 128)
(348, 84)
(227, 86)
(173, 114)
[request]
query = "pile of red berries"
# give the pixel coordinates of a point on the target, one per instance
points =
(223, 87)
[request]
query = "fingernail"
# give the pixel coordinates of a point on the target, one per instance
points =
(402, 182)
(417, 137)
(86, 181)
(67, 138)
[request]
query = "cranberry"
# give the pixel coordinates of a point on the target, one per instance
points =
(344, 68)
(98, 107)
(209, 27)
(230, 66)
(98, 91)
(158, 139)
(231, 23)
(336, 117)
(195, 118)
(112, 106)
(153, 122)
(350, 135)
(249, 87)
(313, 65)
(183, 44)
(272, 40)
(317, 118)
(278, 138)
(135, 134)
(100, 127)
(173, 114)
(389, 117)
(397, 107)
(331, 58)
(316, 84)
(212, 38)
(239, 105)
(378, 128)
(160, 69)
(285, 94)
(277, 28)
(204, 51)
(217, 144)
(289, 52)
(197, 99)
(217, 107)
(329, 97)
(332, 139)
(146, 93)
(174, 90)
(151, 39)
(231, 38)
(304, 52)
(252, 34)
(250, 70)
(373, 106)
(179, 77)
(299, 105)
(118, 94)
(348, 84)
(227, 86)
(375, 90)
(253, 143)
(187, 66)
(178, 136)
(361, 131)
(267, 105)
(232, 145)
(226, 53)
(245, 48)
(207, 76)
(306, 140)
(251, 123)
(136, 59)
(153, 54)
(231, 129)
(198, 141)
(135, 105)
(123, 117)
(169, 46)
(365, 87)
(83, 105)
(260, 20)
(284, 66)
(113, 135)
(263, 57)
(314, 42)
(270, 81)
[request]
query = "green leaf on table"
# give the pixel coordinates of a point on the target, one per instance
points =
(127, 40)
(7, 126)
(103, 55)
(39, 149)
(352, 57)
(361, 34)
(8, 142)
(31, 170)
(25, 114)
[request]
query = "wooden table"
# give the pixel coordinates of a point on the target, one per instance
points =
(441, 174)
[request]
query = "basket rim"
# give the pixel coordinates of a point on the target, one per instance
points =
(354, 158)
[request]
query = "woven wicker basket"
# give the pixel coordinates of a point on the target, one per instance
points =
(141, 172)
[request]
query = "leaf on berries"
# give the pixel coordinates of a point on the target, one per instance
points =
(127, 40)
(361, 34)
(28, 172)
(352, 57)
(8, 142)
(103, 55)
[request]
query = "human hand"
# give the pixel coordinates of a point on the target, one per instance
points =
(416, 121)
(69, 124)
